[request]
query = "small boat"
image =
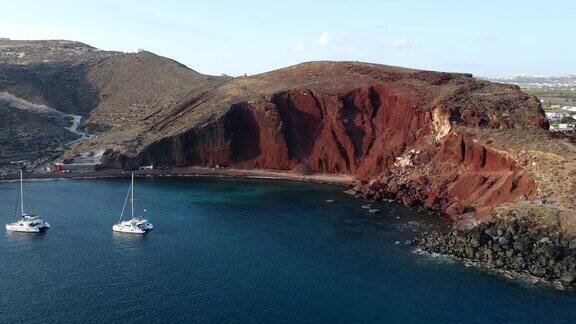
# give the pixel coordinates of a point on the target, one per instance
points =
(26, 223)
(136, 225)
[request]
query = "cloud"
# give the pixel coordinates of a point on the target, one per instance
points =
(402, 44)
(299, 47)
(324, 39)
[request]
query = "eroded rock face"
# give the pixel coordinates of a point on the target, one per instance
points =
(466, 177)
(403, 134)
(405, 131)
(358, 132)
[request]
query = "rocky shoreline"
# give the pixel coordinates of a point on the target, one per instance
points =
(517, 245)
(520, 246)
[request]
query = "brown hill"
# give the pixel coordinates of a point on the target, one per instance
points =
(473, 149)
(406, 134)
(405, 131)
(110, 90)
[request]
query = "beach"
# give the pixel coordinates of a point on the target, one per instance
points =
(335, 179)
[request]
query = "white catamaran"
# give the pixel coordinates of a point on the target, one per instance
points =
(26, 223)
(136, 225)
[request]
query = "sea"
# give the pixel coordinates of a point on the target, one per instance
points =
(242, 251)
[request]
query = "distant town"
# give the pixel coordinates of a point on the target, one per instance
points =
(557, 94)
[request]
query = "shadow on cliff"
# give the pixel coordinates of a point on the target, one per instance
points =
(243, 133)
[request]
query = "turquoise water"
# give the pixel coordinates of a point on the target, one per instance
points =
(241, 251)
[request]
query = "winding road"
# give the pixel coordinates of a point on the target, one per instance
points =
(49, 113)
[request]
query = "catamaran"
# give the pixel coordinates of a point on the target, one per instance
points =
(26, 223)
(136, 225)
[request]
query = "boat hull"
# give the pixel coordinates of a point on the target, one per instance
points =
(133, 226)
(130, 230)
(23, 227)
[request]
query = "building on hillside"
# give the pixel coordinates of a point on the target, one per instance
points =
(554, 116)
(75, 167)
(563, 127)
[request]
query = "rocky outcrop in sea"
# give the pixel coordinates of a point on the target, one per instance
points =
(520, 245)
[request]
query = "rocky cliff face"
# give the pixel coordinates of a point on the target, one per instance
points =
(402, 133)
(475, 150)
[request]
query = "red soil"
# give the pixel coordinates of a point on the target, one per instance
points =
(402, 133)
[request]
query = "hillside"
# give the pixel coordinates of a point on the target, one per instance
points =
(477, 151)
(108, 90)
(29, 136)
(408, 134)
(402, 130)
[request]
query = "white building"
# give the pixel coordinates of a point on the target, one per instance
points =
(553, 116)
(566, 127)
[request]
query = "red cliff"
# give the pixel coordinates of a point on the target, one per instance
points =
(405, 134)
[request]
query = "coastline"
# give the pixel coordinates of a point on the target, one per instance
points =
(512, 247)
(195, 171)
(507, 274)
(488, 246)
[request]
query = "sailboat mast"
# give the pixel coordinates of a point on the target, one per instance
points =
(21, 194)
(132, 194)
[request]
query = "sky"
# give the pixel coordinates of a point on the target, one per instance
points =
(486, 38)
